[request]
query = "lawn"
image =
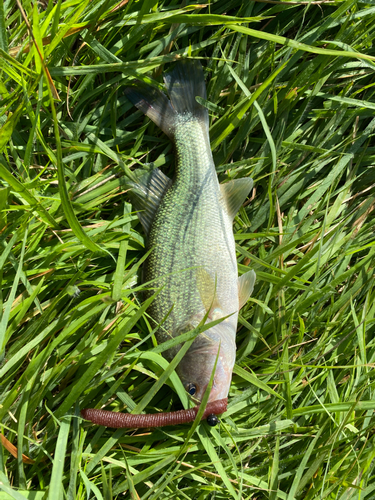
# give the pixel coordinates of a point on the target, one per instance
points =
(291, 87)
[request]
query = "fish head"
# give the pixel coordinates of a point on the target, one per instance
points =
(197, 365)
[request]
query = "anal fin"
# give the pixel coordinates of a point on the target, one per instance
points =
(246, 284)
(235, 193)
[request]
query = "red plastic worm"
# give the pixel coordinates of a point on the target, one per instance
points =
(123, 420)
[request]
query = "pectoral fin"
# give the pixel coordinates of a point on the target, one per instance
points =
(245, 287)
(235, 193)
(147, 194)
(207, 291)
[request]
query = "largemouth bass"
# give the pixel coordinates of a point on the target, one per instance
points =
(189, 221)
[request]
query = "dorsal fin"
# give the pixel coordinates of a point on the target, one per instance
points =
(235, 193)
(147, 194)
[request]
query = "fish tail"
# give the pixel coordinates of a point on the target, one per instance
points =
(153, 104)
(183, 83)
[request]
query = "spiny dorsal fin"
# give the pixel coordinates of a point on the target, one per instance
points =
(246, 284)
(147, 194)
(235, 193)
(184, 83)
(153, 104)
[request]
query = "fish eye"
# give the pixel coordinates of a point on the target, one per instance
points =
(212, 420)
(192, 389)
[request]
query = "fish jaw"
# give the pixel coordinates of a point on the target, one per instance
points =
(196, 367)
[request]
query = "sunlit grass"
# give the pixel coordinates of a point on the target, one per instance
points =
(291, 102)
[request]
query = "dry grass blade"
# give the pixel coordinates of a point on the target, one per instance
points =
(50, 81)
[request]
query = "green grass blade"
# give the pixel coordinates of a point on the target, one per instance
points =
(299, 46)
(56, 491)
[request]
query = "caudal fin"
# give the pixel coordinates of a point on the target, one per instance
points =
(153, 104)
(183, 83)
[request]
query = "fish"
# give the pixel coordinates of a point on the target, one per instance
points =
(192, 262)
(189, 224)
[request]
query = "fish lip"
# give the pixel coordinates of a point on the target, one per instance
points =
(218, 392)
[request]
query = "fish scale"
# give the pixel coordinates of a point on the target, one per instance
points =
(184, 231)
(192, 257)
(189, 225)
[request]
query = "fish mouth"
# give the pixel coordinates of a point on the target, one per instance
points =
(207, 360)
(127, 420)
(219, 390)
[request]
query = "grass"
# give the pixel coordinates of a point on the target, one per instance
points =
(291, 97)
